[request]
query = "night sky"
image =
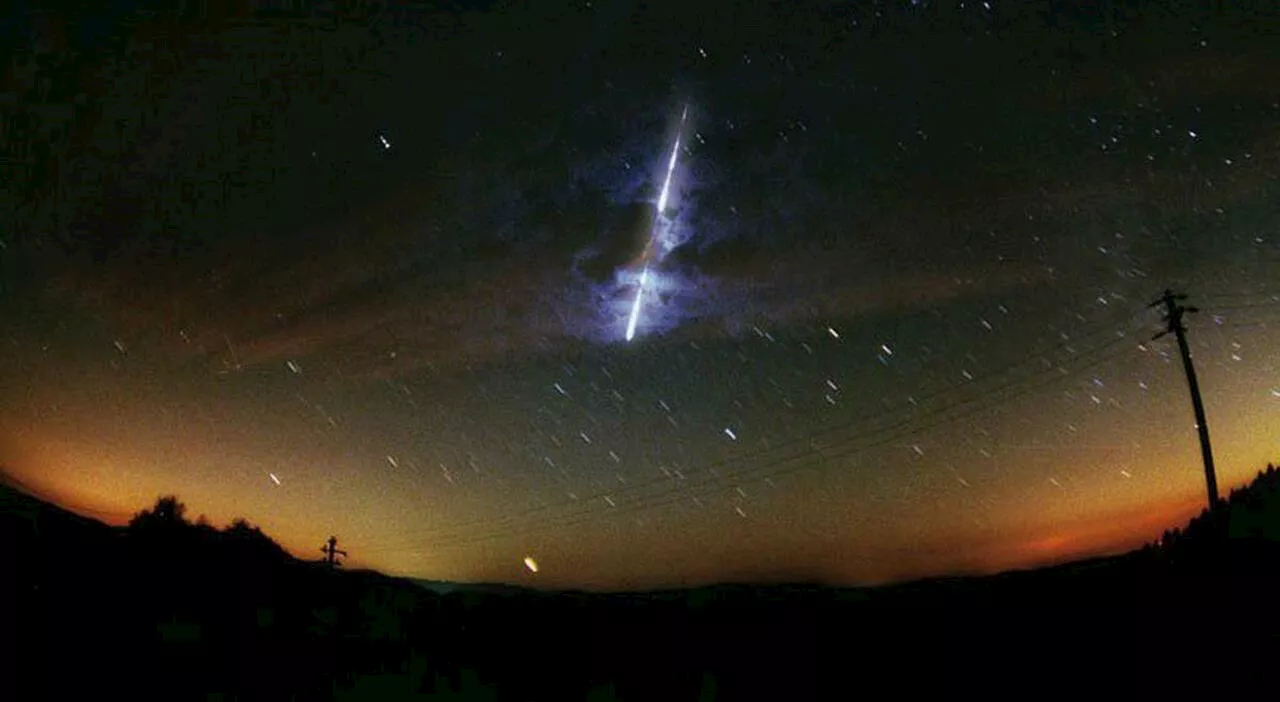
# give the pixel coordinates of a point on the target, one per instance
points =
(368, 273)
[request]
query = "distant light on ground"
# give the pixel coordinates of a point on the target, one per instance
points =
(531, 564)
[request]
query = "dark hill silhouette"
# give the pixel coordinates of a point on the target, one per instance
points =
(1243, 534)
(170, 609)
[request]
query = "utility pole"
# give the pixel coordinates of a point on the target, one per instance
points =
(331, 551)
(1173, 318)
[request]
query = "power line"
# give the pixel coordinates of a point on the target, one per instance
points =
(808, 440)
(1243, 306)
(1269, 293)
(712, 480)
(1253, 325)
(1251, 317)
(668, 496)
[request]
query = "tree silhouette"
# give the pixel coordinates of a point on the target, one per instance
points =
(240, 527)
(241, 532)
(1242, 532)
(168, 513)
(248, 541)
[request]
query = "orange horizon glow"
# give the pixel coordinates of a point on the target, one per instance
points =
(1099, 536)
(111, 482)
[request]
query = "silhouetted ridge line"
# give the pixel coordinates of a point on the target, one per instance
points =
(190, 611)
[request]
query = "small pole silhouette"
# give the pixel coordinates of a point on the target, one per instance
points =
(1173, 317)
(331, 552)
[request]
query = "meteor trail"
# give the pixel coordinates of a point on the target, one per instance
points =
(662, 206)
(671, 165)
(635, 306)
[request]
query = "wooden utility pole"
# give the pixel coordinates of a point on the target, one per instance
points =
(331, 552)
(1173, 318)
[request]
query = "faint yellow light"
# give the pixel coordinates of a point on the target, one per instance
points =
(531, 564)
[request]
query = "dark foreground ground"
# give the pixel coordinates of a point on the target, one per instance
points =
(92, 612)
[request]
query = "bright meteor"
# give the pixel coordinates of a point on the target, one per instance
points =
(662, 206)
(635, 306)
(671, 165)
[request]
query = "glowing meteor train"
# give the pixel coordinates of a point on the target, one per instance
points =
(658, 221)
